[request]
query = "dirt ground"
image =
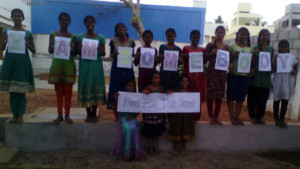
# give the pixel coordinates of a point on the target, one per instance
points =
(84, 159)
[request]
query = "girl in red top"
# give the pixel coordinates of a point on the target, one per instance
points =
(196, 79)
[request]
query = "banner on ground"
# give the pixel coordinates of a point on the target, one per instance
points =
(159, 102)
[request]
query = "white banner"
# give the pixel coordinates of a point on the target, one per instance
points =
(284, 63)
(196, 62)
(159, 102)
(125, 57)
(62, 48)
(222, 60)
(16, 41)
(147, 58)
(264, 62)
(171, 60)
(89, 49)
(244, 62)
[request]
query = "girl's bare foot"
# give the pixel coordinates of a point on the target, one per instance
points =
(175, 153)
(184, 152)
(13, 119)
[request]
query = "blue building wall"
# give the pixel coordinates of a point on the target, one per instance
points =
(108, 14)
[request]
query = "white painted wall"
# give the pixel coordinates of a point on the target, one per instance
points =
(5, 12)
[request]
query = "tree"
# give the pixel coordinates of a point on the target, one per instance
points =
(219, 19)
(136, 21)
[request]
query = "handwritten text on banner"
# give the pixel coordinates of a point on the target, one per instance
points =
(159, 102)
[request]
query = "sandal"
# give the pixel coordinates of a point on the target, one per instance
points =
(175, 153)
(183, 152)
(212, 121)
(13, 119)
(58, 119)
(68, 119)
(218, 122)
(19, 119)
(88, 119)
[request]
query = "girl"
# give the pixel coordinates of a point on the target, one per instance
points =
(216, 79)
(63, 72)
(237, 83)
(91, 85)
(283, 85)
(169, 78)
(182, 125)
(153, 123)
(118, 76)
(16, 74)
(128, 145)
(145, 73)
(258, 92)
(196, 79)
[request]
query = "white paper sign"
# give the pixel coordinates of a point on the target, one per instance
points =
(284, 63)
(196, 62)
(147, 58)
(264, 62)
(159, 102)
(244, 62)
(62, 48)
(16, 41)
(171, 60)
(124, 57)
(222, 60)
(89, 49)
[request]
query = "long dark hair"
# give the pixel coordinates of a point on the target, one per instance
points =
(116, 29)
(284, 42)
(17, 10)
(64, 14)
(259, 35)
(243, 29)
(155, 72)
(216, 30)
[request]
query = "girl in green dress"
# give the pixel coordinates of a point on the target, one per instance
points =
(63, 72)
(16, 74)
(91, 85)
(182, 125)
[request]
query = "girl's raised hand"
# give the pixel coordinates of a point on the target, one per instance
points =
(169, 91)
(4, 40)
(275, 57)
(256, 51)
(116, 95)
(146, 92)
(114, 54)
(293, 72)
(184, 56)
(214, 51)
(252, 72)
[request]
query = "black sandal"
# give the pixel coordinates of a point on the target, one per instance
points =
(58, 119)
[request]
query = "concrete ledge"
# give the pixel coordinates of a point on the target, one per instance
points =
(45, 136)
(3, 118)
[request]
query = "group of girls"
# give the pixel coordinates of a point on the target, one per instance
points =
(16, 76)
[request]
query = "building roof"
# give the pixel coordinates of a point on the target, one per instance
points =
(108, 14)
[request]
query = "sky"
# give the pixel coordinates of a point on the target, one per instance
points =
(271, 10)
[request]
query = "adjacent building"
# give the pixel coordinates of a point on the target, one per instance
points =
(291, 18)
(243, 17)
